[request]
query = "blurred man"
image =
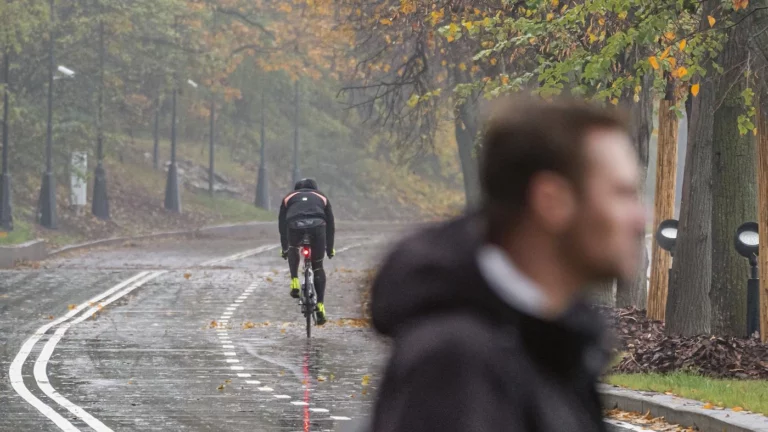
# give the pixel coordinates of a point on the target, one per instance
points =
(490, 329)
(307, 211)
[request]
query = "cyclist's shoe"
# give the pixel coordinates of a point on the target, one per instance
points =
(295, 286)
(320, 314)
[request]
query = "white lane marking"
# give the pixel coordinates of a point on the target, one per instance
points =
(340, 418)
(238, 301)
(344, 249)
(237, 368)
(41, 365)
(627, 426)
(233, 361)
(230, 354)
(266, 389)
(227, 314)
(243, 375)
(17, 379)
(319, 410)
(282, 396)
(299, 403)
(228, 347)
(253, 382)
(232, 308)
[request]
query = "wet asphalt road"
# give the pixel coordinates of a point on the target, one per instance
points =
(206, 345)
(186, 335)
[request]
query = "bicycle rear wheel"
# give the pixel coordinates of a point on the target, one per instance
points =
(309, 306)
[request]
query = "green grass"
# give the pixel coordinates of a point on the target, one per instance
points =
(750, 395)
(228, 209)
(21, 233)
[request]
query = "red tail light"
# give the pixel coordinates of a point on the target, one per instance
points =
(305, 252)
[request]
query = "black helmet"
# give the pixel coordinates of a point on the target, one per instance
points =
(306, 183)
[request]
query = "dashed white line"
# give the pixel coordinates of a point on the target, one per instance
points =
(280, 396)
(230, 354)
(228, 346)
(233, 361)
(266, 389)
(243, 375)
(253, 382)
(318, 410)
(237, 368)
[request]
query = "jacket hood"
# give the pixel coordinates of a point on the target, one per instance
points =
(431, 271)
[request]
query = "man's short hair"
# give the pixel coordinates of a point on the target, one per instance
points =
(524, 136)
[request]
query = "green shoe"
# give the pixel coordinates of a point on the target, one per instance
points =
(295, 286)
(320, 314)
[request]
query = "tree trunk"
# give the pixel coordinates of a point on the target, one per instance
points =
(634, 292)
(733, 189)
(762, 172)
(664, 206)
(688, 310)
(466, 134)
(603, 293)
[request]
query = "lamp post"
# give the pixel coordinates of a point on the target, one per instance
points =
(262, 185)
(747, 243)
(296, 171)
(172, 196)
(100, 204)
(47, 202)
(6, 210)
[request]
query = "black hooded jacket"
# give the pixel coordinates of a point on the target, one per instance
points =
(306, 208)
(465, 361)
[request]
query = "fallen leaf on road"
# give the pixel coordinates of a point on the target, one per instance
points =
(50, 317)
(187, 276)
(321, 378)
(248, 325)
(708, 406)
(737, 409)
(214, 324)
(229, 381)
(269, 279)
(221, 387)
(366, 380)
(282, 331)
(72, 307)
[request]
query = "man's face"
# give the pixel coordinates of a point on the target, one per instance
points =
(609, 220)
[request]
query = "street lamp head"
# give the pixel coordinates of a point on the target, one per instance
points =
(69, 73)
(666, 235)
(747, 240)
(192, 83)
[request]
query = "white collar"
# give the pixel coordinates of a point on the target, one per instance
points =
(509, 283)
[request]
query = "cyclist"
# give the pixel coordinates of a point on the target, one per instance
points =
(306, 210)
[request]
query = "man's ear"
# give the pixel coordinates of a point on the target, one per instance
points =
(553, 201)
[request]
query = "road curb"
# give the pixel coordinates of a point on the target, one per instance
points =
(681, 411)
(34, 250)
(242, 229)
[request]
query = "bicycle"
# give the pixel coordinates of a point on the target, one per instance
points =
(308, 297)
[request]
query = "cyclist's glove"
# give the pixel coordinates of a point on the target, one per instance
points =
(284, 254)
(331, 253)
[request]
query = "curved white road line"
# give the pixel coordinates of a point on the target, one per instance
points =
(16, 377)
(40, 368)
(41, 365)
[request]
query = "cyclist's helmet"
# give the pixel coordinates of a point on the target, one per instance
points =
(306, 183)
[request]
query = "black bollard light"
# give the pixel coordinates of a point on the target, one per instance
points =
(666, 237)
(747, 243)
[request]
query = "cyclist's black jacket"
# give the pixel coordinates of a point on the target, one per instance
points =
(309, 208)
(463, 360)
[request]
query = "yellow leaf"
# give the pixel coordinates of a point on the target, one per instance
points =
(444, 62)
(550, 16)
(592, 37)
(187, 276)
(708, 406)
(72, 307)
(450, 38)
(321, 378)
(754, 132)
(462, 66)
(505, 79)
(467, 24)
(740, 4)
(682, 45)
(366, 380)
(386, 21)
(669, 35)
(615, 101)
(738, 409)
(711, 20)
(622, 15)
(601, 21)
(680, 72)
(555, 3)
(672, 61)
(494, 61)
(220, 388)
(665, 54)
(695, 90)
(654, 62)
(3, 234)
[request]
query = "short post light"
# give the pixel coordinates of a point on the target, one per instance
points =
(747, 245)
(666, 237)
